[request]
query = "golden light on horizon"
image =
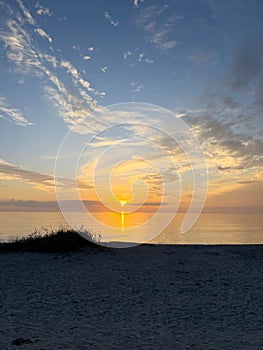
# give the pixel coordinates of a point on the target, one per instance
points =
(122, 203)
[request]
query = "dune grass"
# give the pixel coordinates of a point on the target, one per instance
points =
(63, 240)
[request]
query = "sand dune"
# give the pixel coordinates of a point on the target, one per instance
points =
(159, 297)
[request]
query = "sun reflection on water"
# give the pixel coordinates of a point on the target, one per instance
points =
(122, 203)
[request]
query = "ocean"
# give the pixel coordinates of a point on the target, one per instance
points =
(211, 228)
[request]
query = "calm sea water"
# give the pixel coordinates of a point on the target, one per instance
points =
(209, 229)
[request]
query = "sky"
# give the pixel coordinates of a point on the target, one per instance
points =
(125, 82)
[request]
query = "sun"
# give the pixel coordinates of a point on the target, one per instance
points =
(122, 203)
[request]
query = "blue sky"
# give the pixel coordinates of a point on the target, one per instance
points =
(62, 64)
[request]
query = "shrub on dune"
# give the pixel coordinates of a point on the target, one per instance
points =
(64, 240)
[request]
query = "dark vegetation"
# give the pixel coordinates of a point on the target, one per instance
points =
(64, 240)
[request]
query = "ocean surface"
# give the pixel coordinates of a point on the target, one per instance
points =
(209, 229)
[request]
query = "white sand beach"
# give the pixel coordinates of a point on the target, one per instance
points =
(148, 297)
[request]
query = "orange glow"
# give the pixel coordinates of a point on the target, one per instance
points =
(121, 220)
(122, 202)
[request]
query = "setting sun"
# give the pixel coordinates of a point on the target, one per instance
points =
(122, 203)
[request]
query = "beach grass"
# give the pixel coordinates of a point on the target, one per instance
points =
(63, 240)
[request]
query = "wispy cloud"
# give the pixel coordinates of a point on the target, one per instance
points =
(124, 176)
(246, 73)
(227, 142)
(12, 114)
(10, 171)
(247, 65)
(43, 34)
(137, 56)
(159, 40)
(19, 48)
(42, 11)
(203, 56)
(137, 87)
(76, 108)
(141, 56)
(158, 25)
(143, 59)
(42, 206)
(40, 181)
(248, 182)
(26, 13)
(75, 47)
(148, 61)
(86, 58)
(110, 19)
(104, 69)
(127, 54)
(229, 127)
(136, 3)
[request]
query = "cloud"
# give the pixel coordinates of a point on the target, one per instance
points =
(225, 137)
(168, 175)
(225, 130)
(40, 181)
(85, 58)
(143, 59)
(75, 104)
(223, 168)
(163, 45)
(247, 67)
(43, 34)
(248, 182)
(105, 143)
(79, 81)
(127, 54)
(42, 11)
(26, 13)
(10, 171)
(49, 58)
(160, 39)
(148, 61)
(246, 73)
(70, 68)
(30, 205)
(158, 25)
(99, 141)
(136, 3)
(202, 56)
(19, 49)
(74, 111)
(137, 56)
(124, 176)
(137, 87)
(43, 206)
(141, 56)
(230, 134)
(12, 114)
(109, 18)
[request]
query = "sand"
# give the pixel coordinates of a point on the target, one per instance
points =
(159, 297)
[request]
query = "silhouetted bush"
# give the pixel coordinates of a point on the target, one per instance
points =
(64, 240)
